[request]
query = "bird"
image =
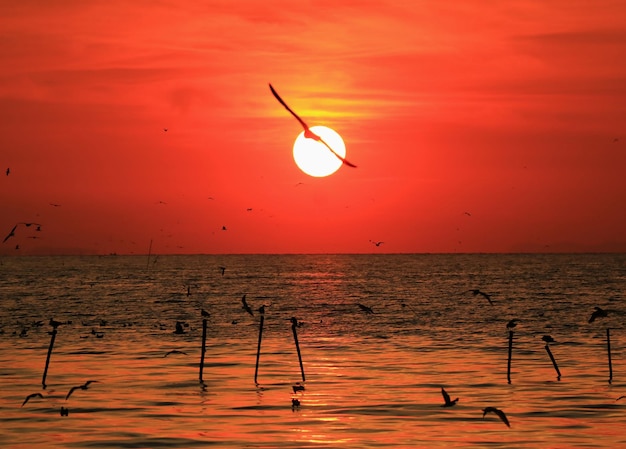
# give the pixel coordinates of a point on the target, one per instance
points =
(28, 225)
(11, 234)
(245, 306)
(223, 270)
(621, 397)
(262, 309)
(224, 228)
(365, 309)
(498, 412)
(307, 131)
(295, 403)
(512, 323)
(54, 323)
(548, 339)
(174, 351)
(179, 328)
(476, 291)
(55, 205)
(598, 313)
(84, 386)
(297, 387)
(8, 172)
(446, 398)
(376, 243)
(31, 396)
(205, 314)
(64, 411)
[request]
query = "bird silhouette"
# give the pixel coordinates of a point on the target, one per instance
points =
(548, 339)
(31, 396)
(245, 306)
(365, 309)
(512, 323)
(376, 243)
(174, 351)
(64, 411)
(297, 387)
(205, 314)
(476, 292)
(621, 397)
(307, 131)
(446, 398)
(598, 313)
(84, 386)
(8, 172)
(223, 270)
(498, 412)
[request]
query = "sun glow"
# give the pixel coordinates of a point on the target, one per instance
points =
(313, 158)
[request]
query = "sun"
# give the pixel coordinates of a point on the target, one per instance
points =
(313, 158)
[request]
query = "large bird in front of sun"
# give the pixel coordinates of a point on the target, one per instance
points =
(307, 131)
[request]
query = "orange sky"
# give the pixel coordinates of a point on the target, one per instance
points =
(509, 111)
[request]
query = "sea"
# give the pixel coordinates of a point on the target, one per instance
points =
(364, 377)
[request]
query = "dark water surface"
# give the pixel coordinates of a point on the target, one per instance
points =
(372, 380)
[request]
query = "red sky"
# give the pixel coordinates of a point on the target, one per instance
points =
(514, 112)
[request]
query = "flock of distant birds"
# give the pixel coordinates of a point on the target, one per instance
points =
(298, 387)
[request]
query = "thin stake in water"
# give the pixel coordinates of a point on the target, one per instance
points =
(294, 324)
(556, 367)
(54, 324)
(608, 348)
(203, 350)
(258, 351)
(508, 368)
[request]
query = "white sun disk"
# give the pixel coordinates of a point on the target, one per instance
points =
(313, 157)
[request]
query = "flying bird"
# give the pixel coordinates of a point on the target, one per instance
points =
(498, 412)
(598, 313)
(365, 309)
(11, 234)
(8, 171)
(307, 131)
(245, 306)
(621, 397)
(31, 396)
(476, 291)
(174, 351)
(446, 398)
(376, 243)
(84, 386)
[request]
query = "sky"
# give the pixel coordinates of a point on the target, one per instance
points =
(476, 126)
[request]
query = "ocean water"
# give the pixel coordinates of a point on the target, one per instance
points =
(371, 380)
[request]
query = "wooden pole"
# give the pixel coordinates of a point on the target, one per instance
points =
(45, 370)
(294, 324)
(608, 349)
(203, 350)
(556, 367)
(258, 350)
(508, 368)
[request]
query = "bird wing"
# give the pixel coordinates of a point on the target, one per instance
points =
(30, 396)
(446, 396)
(502, 416)
(69, 393)
(11, 234)
(342, 159)
(280, 100)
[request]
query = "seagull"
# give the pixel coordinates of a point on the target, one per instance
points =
(297, 387)
(11, 234)
(179, 328)
(511, 324)
(54, 323)
(307, 132)
(498, 412)
(376, 243)
(598, 313)
(548, 339)
(79, 387)
(30, 396)
(295, 403)
(223, 270)
(174, 351)
(245, 306)
(621, 397)
(446, 398)
(476, 291)
(365, 309)
(64, 411)
(205, 314)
